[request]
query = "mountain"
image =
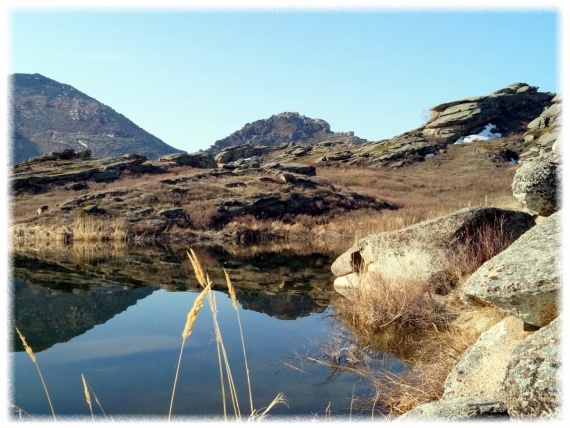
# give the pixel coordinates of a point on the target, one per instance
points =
(51, 116)
(280, 129)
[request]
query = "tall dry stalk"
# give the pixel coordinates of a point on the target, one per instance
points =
(234, 304)
(30, 352)
(191, 319)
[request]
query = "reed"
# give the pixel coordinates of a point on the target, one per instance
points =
(234, 304)
(87, 396)
(191, 319)
(30, 352)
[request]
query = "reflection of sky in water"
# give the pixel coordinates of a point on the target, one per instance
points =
(130, 363)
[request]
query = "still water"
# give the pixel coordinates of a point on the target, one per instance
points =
(121, 328)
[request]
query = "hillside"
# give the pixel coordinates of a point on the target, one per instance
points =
(283, 128)
(51, 116)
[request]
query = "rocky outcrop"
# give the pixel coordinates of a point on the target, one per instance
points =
(51, 116)
(283, 128)
(196, 160)
(537, 181)
(426, 250)
(505, 112)
(72, 171)
(532, 383)
(525, 279)
(509, 109)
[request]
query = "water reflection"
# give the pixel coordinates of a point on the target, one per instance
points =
(61, 294)
(116, 316)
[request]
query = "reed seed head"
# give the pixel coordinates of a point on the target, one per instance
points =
(26, 346)
(193, 314)
(86, 391)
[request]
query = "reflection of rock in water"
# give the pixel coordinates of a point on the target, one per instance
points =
(284, 306)
(47, 316)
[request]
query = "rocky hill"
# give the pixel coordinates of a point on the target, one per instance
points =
(51, 116)
(283, 128)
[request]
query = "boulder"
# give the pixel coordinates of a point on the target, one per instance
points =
(535, 184)
(457, 409)
(480, 370)
(244, 151)
(532, 383)
(196, 159)
(296, 168)
(524, 280)
(172, 213)
(426, 251)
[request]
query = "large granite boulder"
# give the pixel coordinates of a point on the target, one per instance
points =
(424, 251)
(536, 184)
(525, 279)
(532, 383)
(480, 370)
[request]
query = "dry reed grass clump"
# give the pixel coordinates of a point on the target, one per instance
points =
(378, 303)
(79, 229)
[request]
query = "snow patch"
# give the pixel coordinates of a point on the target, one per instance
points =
(83, 144)
(429, 155)
(484, 135)
(512, 161)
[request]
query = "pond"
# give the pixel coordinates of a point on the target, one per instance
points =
(117, 320)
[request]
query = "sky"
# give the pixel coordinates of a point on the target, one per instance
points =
(194, 76)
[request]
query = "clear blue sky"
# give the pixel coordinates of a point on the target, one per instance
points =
(193, 77)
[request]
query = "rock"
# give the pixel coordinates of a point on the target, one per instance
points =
(233, 153)
(92, 209)
(105, 176)
(457, 409)
(532, 384)
(480, 370)
(172, 213)
(196, 159)
(75, 186)
(296, 168)
(140, 212)
(287, 177)
(525, 279)
(426, 250)
(535, 184)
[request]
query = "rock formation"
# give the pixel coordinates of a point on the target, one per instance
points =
(283, 128)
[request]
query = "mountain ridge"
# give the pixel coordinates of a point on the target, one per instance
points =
(51, 116)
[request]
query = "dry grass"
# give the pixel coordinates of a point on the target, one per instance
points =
(80, 229)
